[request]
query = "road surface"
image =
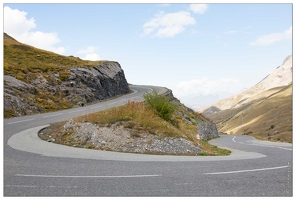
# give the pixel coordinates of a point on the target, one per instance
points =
(33, 167)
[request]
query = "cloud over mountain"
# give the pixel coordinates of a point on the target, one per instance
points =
(89, 53)
(20, 27)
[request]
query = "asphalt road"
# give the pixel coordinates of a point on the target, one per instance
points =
(33, 167)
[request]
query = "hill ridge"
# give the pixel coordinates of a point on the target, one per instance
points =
(263, 111)
(281, 76)
(37, 80)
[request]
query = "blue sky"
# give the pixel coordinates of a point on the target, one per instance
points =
(197, 50)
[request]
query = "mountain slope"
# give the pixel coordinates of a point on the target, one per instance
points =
(263, 111)
(279, 77)
(37, 81)
(269, 117)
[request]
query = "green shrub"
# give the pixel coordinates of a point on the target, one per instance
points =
(161, 104)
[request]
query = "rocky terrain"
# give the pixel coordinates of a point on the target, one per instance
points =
(127, 136)
(48, 86)
(37, 81)
(82, 86)
(120, 139)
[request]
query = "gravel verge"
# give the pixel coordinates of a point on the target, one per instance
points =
(117, 138)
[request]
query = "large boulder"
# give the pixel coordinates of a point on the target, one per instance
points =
(207, 130)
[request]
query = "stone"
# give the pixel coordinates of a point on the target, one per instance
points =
(207, 130)
(84, 85)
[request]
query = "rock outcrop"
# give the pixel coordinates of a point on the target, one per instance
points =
(76, 87)
(101, 82)
(207, 130)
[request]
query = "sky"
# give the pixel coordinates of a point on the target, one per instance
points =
(202, 52)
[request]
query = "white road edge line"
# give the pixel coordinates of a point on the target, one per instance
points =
(285, 148)
(261, 145)
(250, 170)
(57, 176)
(21, 121)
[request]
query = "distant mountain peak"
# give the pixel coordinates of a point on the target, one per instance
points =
(281, 76)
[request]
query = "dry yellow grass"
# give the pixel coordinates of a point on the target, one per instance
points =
(27, 63)
(140, 117)
(268, 118)
(23, 61)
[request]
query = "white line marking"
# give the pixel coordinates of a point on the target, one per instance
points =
(57, 176)
(285, 148)
(233, 138)
(21, 121)
(250, 170)
(261, 145)
(77, 110)
(52, 115)
(37, 186)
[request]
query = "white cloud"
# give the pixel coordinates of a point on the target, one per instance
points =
(168, 24)
(92, 56)
(16, 23)
(207, 87)
(89, 53)
(198, 8)
(273, 37)
(18, 26)
(89, 49)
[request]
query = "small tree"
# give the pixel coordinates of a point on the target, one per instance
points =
(161, 104)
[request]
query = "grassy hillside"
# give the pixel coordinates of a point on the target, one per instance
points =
(44, 70)
(268, 116)
(24, 62)
(140, 119)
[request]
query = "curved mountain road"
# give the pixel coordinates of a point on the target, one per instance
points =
(33, 167)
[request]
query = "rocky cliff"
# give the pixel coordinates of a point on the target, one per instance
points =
(37, 81)
(57, 91)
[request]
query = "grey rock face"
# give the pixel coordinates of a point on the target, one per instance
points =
(104, 81)
(84, 85)
(12, 98)
(207, 130)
